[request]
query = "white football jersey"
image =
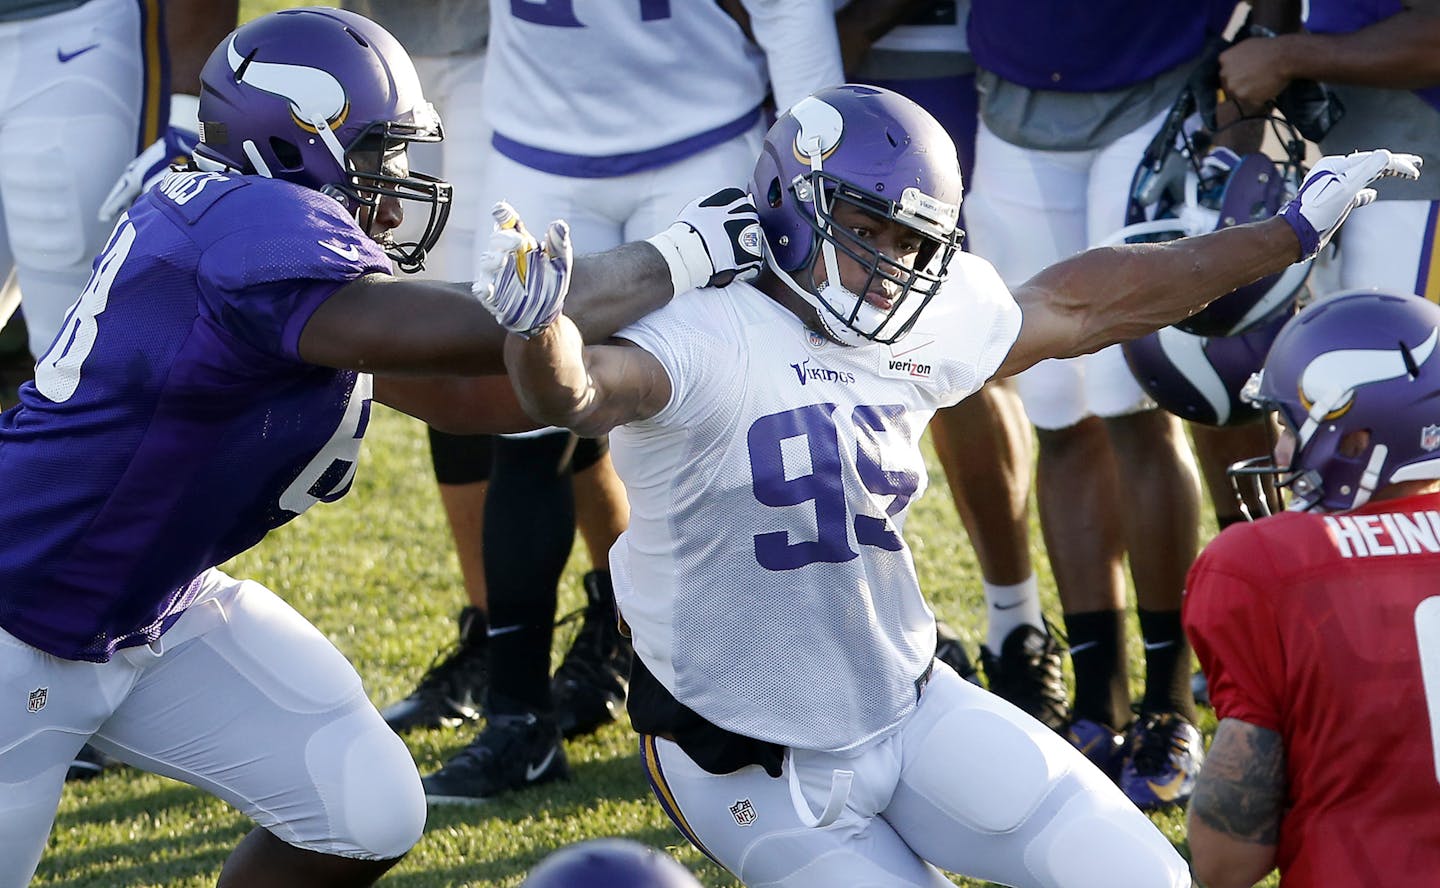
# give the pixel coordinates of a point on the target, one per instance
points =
(618, 78)
(763, 573)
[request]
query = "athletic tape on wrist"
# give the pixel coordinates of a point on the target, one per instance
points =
(684, 252)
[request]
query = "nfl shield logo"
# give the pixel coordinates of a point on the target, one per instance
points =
(1430, 437)
(743, 812)
(817, 340)
(37, 699)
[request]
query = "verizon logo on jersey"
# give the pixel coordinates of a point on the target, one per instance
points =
(1388, 533)
(806, 374)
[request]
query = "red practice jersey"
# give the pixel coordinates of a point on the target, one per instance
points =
(1323, 628)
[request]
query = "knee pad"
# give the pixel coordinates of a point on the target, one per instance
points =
(373, 798)
(997, 773)
(1101, 840)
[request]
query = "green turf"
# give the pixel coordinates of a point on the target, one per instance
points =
(376, 573)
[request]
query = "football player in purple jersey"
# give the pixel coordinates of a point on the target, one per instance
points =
(212, 381)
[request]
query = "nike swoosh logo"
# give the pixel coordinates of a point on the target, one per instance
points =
(1082, 646)
(913, 348)
(1170, 789)
(533, 772)
(1006, 607)
(1157, 645)
(62, 56)
(348, 251)
(494, 631)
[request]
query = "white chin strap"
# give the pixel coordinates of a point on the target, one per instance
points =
(832, 325)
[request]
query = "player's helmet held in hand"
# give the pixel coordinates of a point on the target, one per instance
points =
(1359, 361)
(1181, 189)
(326, 99)
(601, 863)
(876, 150)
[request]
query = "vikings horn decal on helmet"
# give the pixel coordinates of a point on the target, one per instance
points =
(603, 863)
(1180, 190)
(1356, 361)
(875, 150)
(326, 99)
(1199, 378)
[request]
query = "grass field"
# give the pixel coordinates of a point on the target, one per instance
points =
(377, 574)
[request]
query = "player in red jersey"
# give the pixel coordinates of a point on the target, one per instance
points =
(1319, 629)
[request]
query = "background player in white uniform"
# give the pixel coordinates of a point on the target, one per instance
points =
(795, 724)
(659, 101)
(82, 91)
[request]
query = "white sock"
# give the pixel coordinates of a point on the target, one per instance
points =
(1009, 607)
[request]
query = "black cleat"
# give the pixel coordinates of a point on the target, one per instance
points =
(1028, 674)
(513, 752)
(88, 764)
(589, 688)
(452, 688)
(951, 652)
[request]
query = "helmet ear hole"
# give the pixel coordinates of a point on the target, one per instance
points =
(286, 153)
(774, 194)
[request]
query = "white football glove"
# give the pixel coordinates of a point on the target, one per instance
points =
(715, 240)
(1336, 186)
(522, 283)
(175, 146)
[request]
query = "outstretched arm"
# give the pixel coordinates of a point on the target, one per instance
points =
(1113, 294)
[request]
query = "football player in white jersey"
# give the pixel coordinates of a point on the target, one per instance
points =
(794, 723)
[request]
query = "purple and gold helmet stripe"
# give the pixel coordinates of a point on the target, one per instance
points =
(1427, 277)
(155, 60)
(650, 755)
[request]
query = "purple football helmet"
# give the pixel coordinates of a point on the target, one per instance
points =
(1179, 190)
(326, 99)
(881, 152)
(609, 863)
(1199, 378)
(1356, 361)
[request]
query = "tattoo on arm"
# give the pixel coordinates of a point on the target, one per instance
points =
(1241, 790)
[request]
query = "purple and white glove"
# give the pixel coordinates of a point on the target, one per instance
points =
(1336, 186)
(715, 240)
(522, 283)
(175, 146)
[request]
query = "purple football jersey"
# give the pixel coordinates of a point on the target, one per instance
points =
(172, 424)
(1067, 46)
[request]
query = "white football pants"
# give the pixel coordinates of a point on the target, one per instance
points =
(78, 99)
(968, 784)
(1029, 209)
(605, 213)
(242, 698)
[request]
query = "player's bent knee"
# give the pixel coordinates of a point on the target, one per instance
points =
(375, 801)
(1104, 842)
(971, 787)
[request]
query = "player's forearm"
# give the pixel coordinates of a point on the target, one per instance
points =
(1115, 294)
(1401, 52)
(802, 49)
(548, 374)
(613, 289)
